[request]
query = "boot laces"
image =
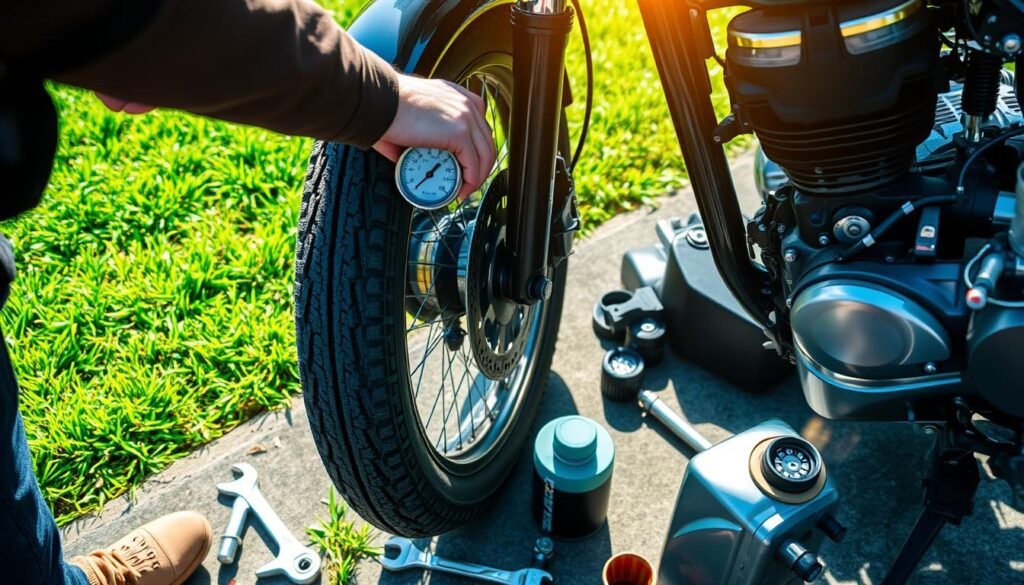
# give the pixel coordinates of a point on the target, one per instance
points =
(122, 566)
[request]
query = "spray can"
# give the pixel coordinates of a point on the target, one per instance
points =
(573, 460)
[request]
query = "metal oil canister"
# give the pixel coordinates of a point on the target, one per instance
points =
(573, 459)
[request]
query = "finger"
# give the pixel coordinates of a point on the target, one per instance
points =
(474, 99)
(113, 104)
(484, 158)
(485, 146)
(388, 150)
(466, 152)
(137, 108)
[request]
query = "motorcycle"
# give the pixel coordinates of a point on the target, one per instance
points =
(886, 262)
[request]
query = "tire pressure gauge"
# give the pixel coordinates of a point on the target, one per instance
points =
(428, 178)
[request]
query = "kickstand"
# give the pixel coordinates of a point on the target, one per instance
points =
(949, 490)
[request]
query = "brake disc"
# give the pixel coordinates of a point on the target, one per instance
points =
(497, 328)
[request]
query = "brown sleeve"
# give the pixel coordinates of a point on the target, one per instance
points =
(284, 65)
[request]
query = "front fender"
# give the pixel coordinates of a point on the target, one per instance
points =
(413, 34)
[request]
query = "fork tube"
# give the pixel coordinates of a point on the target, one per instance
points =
(540, 30)
(675, 40)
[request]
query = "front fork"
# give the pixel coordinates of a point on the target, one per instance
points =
(540, 31)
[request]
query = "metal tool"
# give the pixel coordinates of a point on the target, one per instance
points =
(232, 537)
(651, 404)
(543, 551)
(296, 562)
(401, 554)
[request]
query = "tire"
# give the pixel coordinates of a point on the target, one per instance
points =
(351, 318)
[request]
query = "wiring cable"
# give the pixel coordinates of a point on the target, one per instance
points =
(906, 209)
(969, 282)
(589, 107)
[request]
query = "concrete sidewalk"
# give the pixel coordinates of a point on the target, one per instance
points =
(877, 467)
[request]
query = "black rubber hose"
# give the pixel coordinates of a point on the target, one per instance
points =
(589, 108)
(906, 209)
(981, 84)
(981, 150)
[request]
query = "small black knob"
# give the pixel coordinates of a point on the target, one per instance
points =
(835, 531)
(801, 561)
(647, 336)
(622, 374)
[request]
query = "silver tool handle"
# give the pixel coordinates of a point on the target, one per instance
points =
(271, 521)
(436, 563)
(232, 536)
(679, 426)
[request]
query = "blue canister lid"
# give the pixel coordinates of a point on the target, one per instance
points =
(575, 453)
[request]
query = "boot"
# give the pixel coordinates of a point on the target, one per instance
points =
(164, 552)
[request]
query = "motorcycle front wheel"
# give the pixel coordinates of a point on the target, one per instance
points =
(420, 388)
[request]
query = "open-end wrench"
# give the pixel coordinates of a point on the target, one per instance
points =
(401, 554)
(296, 562)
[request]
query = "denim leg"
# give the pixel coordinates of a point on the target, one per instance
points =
(30, 547)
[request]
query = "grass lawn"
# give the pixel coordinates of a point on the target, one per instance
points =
(153, 312)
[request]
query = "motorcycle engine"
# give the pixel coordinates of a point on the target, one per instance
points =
(868, 230)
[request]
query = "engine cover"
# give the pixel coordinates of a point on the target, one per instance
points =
(866, 330)
(994, 361)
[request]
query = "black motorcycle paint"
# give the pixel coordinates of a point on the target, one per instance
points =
(539, 41)
(674, 30)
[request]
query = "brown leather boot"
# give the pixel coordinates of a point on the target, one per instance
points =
(164, 552)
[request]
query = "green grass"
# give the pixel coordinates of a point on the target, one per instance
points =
(342, 543)
(152, 311)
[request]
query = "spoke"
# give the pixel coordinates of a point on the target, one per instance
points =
(436, 264)
(472, 385)
(455, 402)
(423, 326)
(423, 303)
(433, 408)
(444, 241)
(426, 352)
(444, 419)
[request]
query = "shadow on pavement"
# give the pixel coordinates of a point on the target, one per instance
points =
(503, 537)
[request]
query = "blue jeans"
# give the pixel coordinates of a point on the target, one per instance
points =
(30, 548)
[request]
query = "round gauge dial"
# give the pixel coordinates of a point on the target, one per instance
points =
(791, 464)
(428, 178)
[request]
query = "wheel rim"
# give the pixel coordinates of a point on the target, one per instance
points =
(464, 417)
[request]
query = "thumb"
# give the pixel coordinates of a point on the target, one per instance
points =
(389, 150)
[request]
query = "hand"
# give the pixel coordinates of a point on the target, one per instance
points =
(433, 113)
(119, 105)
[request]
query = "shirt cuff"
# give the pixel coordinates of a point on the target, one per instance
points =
(378, 104)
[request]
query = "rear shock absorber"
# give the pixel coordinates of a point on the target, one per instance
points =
(981, 91)
(540, 32)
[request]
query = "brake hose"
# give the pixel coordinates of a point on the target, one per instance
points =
(590, 86)
(906, 209)
(984, 147)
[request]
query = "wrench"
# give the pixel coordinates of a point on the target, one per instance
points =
(401, 554)
(296, 562)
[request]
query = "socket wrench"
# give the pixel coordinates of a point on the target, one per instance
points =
(298, 563)
(401, 554)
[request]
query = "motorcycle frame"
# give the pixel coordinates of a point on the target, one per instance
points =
(680, 38)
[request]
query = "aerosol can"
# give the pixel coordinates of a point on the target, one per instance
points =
(752, 510)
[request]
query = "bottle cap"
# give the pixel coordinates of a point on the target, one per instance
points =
(575, 453)
(575, 439)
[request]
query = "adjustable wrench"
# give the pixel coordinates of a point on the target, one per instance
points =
(401, 554)
(296, 562)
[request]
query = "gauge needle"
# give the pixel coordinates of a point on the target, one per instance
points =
(430, 174)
